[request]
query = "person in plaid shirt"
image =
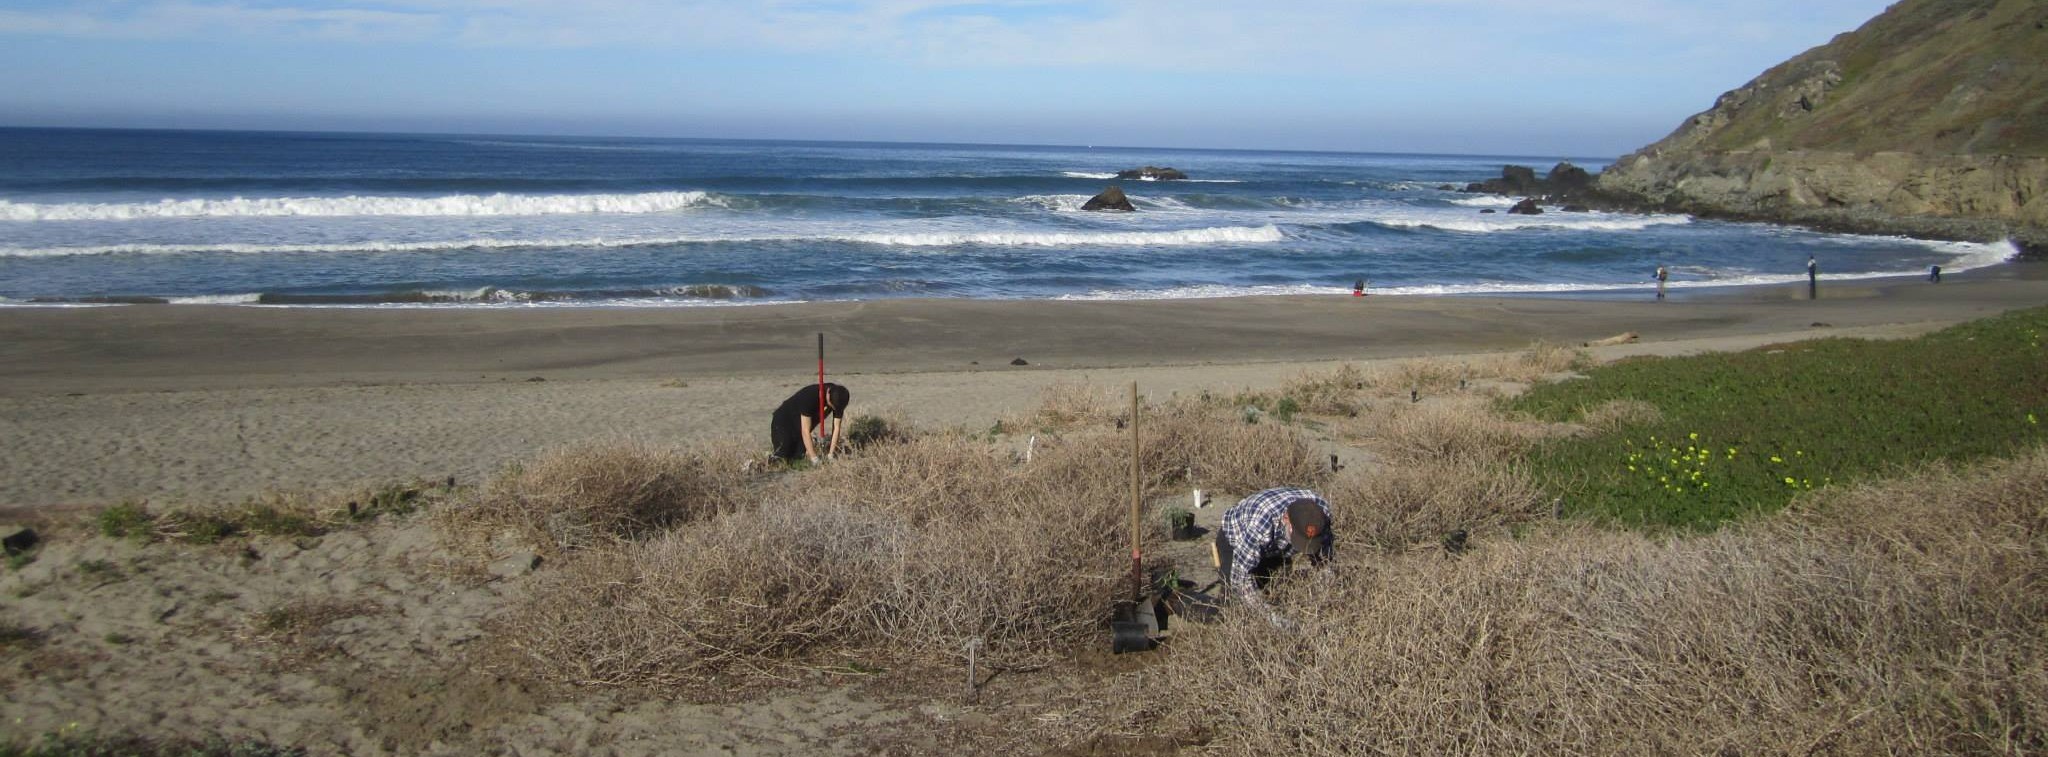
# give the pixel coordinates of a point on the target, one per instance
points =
(1265, 531)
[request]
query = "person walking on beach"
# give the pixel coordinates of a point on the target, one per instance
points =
(1934, 274)
(797, 422)
(1812, 278)
(1265, 532)
(1662, 274)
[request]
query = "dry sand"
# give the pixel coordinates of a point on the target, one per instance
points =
(198, 405)
(187, 404)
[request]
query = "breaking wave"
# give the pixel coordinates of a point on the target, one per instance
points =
(688, 293)
(500, 204)
(1218, 235)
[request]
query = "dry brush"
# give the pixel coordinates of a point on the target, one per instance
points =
(1904, 618)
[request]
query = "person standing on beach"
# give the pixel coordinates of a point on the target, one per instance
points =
(1265, 532)
(796, 423)
(1812, 278)
(1662, 274)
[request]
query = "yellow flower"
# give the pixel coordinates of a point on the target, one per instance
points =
(1693, 436)
(1776, 459)
(1788, 481)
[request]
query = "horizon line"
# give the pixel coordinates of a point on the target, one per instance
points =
(891, 143)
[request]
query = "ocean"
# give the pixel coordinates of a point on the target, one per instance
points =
(397, 220)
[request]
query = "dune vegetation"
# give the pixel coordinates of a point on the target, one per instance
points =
(1835, 546)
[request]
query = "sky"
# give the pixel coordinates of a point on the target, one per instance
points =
(1581, 78)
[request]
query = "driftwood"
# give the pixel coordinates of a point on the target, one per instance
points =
(1621, 338)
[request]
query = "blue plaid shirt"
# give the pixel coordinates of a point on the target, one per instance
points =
(1255, 533)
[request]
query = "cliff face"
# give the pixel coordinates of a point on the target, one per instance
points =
(1932, 118)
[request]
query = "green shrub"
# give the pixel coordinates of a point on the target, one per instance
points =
(127, 520)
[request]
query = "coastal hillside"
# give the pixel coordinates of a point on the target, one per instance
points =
(1931, 119)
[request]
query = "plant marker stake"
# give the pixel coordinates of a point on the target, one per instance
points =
(1137, 552)
(973, 645)
(821, 383)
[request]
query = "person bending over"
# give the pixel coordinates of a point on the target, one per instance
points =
(1266, 531)
(797, 423)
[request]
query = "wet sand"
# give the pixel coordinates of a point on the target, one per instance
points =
(193, 404)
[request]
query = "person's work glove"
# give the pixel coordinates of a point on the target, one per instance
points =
(812, 458)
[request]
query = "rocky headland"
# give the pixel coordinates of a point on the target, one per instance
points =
(1930, 120)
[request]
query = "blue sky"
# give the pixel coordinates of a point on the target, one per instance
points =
(1585, 78)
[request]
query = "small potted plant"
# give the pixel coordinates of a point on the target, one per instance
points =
(1180, 524)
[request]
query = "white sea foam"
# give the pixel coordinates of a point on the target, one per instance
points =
(494, 302)
(1486, 201)
(450, 205)
(1205, 291)
(1220, 235)
(216, 299)
(1969, 255)
(1161, 203)
(1073, 203)
(1211, 235)
(1059, 203)
(1108, 176)
(9, 302)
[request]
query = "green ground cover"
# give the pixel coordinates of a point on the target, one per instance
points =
(1745, 432)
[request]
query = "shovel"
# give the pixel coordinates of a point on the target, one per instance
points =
(1135, 622)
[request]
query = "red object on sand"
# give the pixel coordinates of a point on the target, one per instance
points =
(821, 381)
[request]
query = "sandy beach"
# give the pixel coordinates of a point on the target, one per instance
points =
(387, 638)
(201, 404)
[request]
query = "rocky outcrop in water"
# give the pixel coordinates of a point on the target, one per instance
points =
(1564, 183)
(1111, 199)
(1930, 120)
(1151, 173)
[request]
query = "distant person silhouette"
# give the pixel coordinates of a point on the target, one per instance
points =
(1934, 273)
(1812, 278)
(1662, 275)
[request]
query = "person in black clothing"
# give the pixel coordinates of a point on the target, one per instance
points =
(797, 419)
